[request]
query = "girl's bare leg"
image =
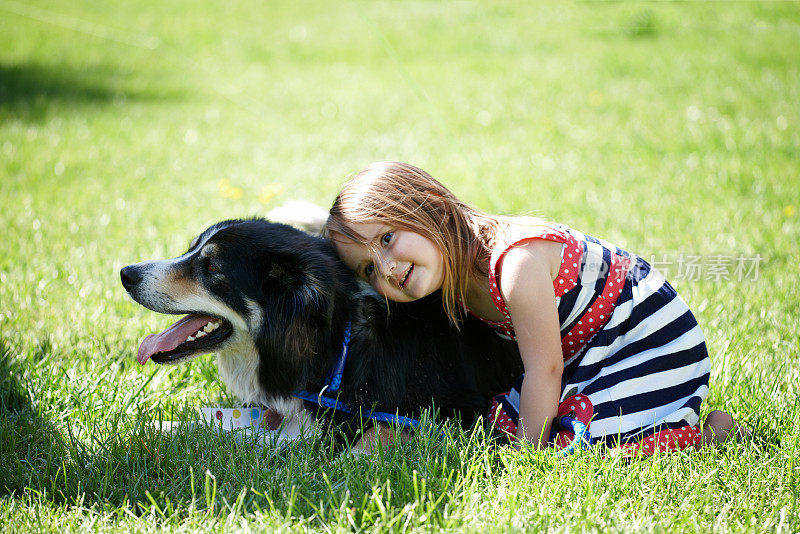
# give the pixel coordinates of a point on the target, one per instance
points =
(718, 426)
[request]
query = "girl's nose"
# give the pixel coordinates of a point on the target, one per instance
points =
(386, 267)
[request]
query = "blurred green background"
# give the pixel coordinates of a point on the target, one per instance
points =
(127, 127)
(668, 128)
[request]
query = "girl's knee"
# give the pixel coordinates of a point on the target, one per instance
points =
(718, 426)
(720, 419)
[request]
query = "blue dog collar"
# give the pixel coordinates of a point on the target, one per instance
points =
(334, 379)
(332, 383)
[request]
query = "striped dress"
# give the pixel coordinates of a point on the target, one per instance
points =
(635, 359)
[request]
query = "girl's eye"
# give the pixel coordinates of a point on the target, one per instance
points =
(368, 270)
(387, 238)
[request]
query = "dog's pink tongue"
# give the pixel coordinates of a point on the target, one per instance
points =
(172, 336)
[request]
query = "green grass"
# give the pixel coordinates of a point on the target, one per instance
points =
(127, 127)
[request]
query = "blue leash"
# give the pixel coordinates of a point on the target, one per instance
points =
(335, 404)
(582, 437)
(334, 381)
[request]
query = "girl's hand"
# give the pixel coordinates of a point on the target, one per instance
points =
(527, 287)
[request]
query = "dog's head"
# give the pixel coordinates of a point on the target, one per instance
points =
(238, 279)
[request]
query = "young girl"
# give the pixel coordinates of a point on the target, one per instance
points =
(600, 333)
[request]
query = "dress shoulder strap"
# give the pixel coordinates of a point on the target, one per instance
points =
(520, 236)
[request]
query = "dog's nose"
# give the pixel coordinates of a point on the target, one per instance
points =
(130, 277)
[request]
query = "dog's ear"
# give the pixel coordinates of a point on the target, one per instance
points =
(301, 310)
(275, 271)
(311, 298)
(299, 285)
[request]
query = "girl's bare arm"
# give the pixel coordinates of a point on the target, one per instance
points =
(527, 287)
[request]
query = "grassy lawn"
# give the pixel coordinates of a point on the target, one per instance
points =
(671, 129)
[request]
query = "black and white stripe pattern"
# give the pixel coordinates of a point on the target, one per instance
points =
(647, 367)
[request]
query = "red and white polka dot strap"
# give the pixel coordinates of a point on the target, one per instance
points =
(567, 276)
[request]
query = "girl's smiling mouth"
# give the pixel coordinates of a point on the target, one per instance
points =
(405, 278)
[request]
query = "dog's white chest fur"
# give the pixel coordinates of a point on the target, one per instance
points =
(238, 368)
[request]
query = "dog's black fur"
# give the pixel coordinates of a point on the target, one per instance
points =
(284, 298)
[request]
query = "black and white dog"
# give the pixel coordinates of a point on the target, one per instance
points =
(276, 304)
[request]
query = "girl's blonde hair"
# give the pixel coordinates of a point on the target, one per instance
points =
(403, 196)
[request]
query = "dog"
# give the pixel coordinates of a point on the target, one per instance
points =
(275, 304)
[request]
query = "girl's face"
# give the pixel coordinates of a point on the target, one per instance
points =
(402, 265)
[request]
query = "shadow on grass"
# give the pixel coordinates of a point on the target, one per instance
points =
(28, 443)
(29, 90)
(109, 456)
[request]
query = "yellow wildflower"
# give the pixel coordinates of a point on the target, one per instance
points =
(268, 192)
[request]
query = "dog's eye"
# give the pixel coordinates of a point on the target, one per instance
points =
(213, 269)
(369, 269)
(387, 238)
